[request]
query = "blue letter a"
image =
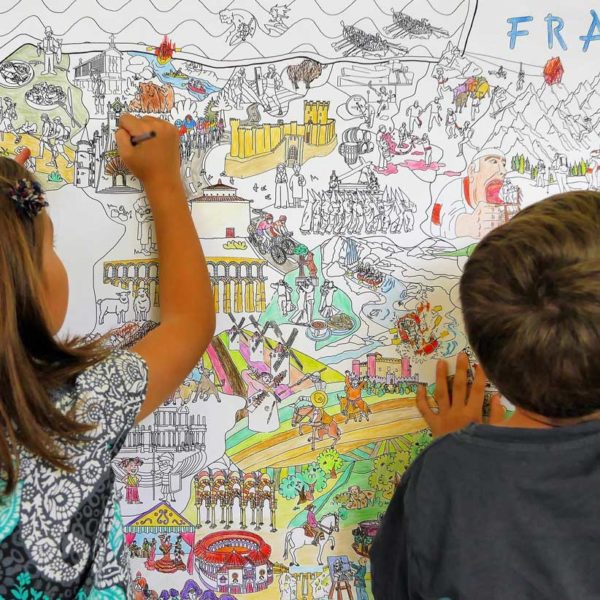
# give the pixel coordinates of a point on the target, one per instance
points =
(591, 36)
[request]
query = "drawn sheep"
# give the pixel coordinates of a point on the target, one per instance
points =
(141, 305)
(308, 70)
(116, 306)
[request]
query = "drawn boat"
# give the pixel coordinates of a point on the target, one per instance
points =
(196, 86)
(177, 74)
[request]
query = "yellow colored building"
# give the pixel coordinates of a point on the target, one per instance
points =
(256, 149)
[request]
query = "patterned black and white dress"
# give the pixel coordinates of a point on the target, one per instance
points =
(61, 534)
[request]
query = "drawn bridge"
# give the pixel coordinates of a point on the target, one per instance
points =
(238, 283)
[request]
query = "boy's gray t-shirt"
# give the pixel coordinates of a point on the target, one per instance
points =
(495, 513)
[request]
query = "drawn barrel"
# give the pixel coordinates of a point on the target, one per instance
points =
(349, 151)
(356, 135)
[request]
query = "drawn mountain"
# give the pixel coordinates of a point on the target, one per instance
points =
(548, 119)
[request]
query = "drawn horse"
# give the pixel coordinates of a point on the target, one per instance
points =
(354, 409)
(328, 427)
(297, 538)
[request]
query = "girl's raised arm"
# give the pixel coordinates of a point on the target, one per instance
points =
(187, 320)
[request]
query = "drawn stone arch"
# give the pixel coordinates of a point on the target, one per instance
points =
(134, 271)
(233, 271)
(221, 269)
(244, 270)
(153, 270)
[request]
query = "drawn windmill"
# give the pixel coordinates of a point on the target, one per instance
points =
(284, 353)
(258, 340)
(236, 332)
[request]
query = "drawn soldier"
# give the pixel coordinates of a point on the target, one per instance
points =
(236, 87)
(51, 47)
(272, 83)
(219, 495)
(466, 135)
(249, 496)
(234, 491)
(8, 115)
(414, 113)
(165, 467)
(284, 296)
(98, 91)
(203, 494)
(266, 493)
(60, 134)
(540, 179)
(435, 116)
(451, 124)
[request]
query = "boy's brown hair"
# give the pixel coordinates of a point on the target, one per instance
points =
(32, 362)
(530, 295)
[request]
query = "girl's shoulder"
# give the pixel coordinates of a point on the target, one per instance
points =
(110, 393)
(122, 371)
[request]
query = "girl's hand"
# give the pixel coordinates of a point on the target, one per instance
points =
(153, 160)
(461, 407)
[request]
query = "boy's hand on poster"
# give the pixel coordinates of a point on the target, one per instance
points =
(461, 406)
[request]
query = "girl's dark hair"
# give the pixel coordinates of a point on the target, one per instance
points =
(530, 295)
(32, 362)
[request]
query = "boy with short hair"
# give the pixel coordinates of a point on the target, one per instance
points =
(509, 511)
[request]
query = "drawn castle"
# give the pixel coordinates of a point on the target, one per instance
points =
(382, 369)
(259, 148)
(174, 429)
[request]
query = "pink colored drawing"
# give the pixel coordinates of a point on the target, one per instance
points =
(391, 169)
(421, 165)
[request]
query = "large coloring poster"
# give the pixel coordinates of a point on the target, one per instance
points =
(341, 159)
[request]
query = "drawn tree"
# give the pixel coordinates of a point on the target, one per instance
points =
(386, 474)
(314, 477)
(420, 441)
(293, 486)
(330, 461)
(534, 172)
(221, 106)
(380, 477)
(210, 113)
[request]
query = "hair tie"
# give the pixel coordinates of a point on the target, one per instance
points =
(29, 197)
